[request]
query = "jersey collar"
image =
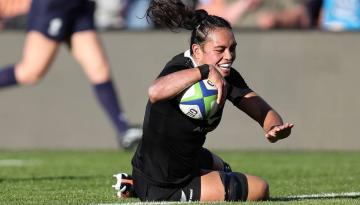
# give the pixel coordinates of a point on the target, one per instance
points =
(188, 55)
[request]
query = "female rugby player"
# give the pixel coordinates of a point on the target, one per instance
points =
(170, 163)
(51, 22)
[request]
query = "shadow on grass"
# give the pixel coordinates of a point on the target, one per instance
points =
(349, 195)
(49, 178)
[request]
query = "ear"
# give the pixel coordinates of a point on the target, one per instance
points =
(197, 51)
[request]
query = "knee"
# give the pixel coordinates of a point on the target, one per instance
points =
(240, 187)
(263, 191)
(235, 184)
(98, 73)
(29, 75)
(258, 189)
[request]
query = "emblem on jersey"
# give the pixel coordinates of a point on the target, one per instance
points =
(55, 26)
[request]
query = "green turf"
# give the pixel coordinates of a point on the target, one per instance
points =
(85, 177)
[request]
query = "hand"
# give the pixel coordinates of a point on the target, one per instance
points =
(279, 132)
(218, 80)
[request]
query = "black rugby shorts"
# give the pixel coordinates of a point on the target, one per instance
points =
(59, 19)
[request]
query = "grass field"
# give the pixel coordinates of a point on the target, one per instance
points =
(85, 177)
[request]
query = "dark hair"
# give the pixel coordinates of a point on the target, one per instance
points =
(173, 14)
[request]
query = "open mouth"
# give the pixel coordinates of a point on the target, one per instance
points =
(225, 66)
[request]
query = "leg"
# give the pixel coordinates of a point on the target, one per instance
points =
(211, 161)
(212, 188)
(87, 50)
(258, 188)
(38, 54)
(220, 186)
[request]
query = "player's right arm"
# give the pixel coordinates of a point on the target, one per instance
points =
(170, 85)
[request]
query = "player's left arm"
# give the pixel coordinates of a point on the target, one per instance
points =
(272, 123)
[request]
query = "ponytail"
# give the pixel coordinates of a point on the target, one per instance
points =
(173, 14)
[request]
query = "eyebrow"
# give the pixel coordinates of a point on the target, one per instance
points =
(234, 44)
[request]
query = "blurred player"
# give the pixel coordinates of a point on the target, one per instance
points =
(13, 13)
(51, 22)
(170, 163)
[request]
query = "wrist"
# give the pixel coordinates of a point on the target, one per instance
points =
(204, 71)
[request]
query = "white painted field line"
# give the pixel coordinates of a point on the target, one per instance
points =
(160, 203)
(293, 197)
(17, 162)
(321, 195)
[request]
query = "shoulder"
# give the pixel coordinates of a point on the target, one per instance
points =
(235, 78)
(180, 60)
(177, 63)
(237, 87)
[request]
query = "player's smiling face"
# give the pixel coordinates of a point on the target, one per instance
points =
(219, 49)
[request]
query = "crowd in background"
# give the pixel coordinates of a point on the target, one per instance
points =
(259, 14)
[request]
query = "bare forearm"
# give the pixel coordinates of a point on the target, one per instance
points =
(266, 116)
(260, 111)
(272, 118)
(169, 86)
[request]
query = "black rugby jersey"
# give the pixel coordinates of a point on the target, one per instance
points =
(168, 154)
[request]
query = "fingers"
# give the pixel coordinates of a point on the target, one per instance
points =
(224, 94)
(283, 127)
(220, 93)
(271, 138)
(216, 78)
(279, 132)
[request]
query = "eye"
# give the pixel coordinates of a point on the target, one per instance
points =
(219, 50)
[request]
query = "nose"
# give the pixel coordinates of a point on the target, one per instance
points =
(228, 55)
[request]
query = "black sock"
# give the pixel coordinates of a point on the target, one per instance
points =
(7, 76)
(106, 95)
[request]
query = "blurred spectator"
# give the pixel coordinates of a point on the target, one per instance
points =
(116, 14)
(341, 15)
(135, 15)
(302, 14)
(314, 9)
(264, 14)
(269, 14)
(231, 11)
(109, 14)
(13, 13)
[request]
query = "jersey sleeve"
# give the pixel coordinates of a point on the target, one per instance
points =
(237, 87)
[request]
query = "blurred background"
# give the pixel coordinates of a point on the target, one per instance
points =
(302, 56)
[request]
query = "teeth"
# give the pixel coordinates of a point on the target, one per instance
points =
(225, 65)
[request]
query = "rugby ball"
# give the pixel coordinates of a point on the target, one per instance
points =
(199, 100)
